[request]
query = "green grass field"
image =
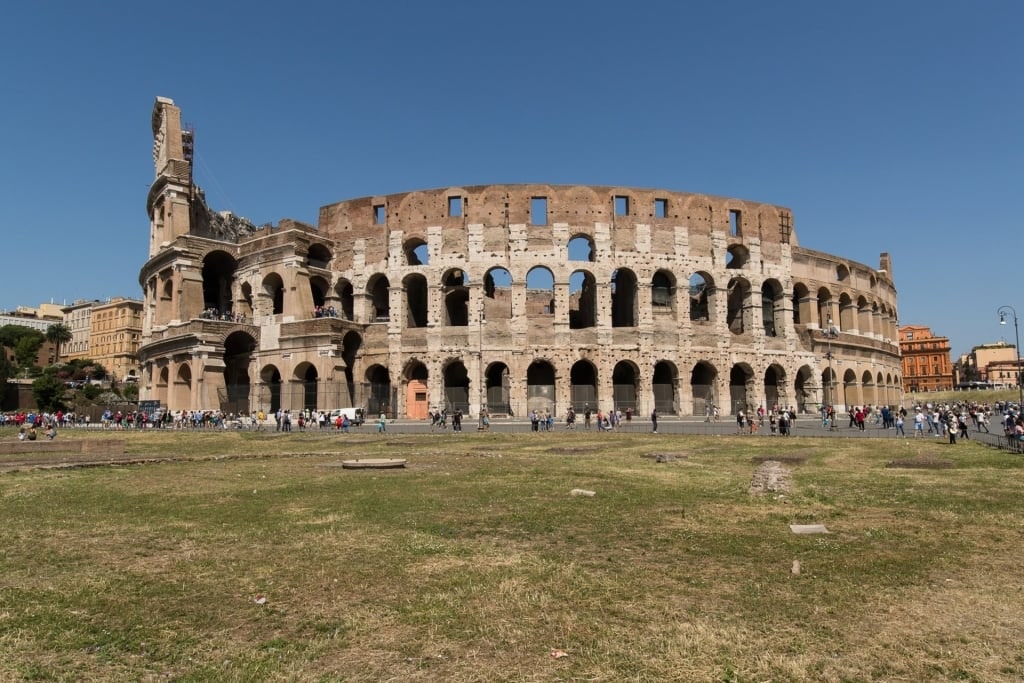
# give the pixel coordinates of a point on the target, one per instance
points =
(474, 563)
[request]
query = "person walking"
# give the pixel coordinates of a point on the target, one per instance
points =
(654, 421)
(899, 427)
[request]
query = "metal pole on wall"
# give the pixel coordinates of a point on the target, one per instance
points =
(480, 384)
(829, 334)
(1016, 337)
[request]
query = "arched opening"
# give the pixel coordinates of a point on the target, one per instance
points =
(868, 396)
(825, 320)
(415, 286)
(540, 387)
(771, 307)
(307, 377)
(737, 256)
(852, 394)
(702, 288)
(417, 402)
(218, 274)
(804, 389)
(270, 376)
(842, 273)
(162, 383)
(864, 325)
(665, 386)
(456, 387)
(246, 304)
(774, 377)
(318, 288)
(343, 291)
(454, 285)
(497, 294)
(238, 349)
(741, 380)
(623, 298)
(379, 290)
(582, 300)
(625, 378)
(319, 256)
(273, 293)
(183, 387)
(379, 400)
(738, 303)
(416, 252)
(847, 313)
(583, 386)
(702, 388)
(497, 384)
(663, 293)
(581, 248)
(540, 292)
(350, 346)
(830, 386)
(801, 304)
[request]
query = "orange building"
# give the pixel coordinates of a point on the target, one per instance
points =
(926, 364)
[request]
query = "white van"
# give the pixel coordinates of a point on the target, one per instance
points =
(355, 415)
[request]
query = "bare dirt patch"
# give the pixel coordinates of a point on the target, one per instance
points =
(771, 476)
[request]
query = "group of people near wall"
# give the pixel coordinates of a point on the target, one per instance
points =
(439, 419)
(779, 421)
(228, 316)
(953, 420)
(325, 312)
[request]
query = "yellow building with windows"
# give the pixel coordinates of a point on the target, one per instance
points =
(115, 334)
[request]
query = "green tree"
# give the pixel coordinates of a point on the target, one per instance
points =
(6, 372)
(26, 349)
(30, 340)
(57, 334)
(49, 392)
(130, 392)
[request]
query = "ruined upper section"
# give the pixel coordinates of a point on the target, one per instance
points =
(172, 145)
(550, 205)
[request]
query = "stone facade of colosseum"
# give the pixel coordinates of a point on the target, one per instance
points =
(515, 297)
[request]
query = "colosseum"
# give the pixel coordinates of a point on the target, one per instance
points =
(510, 297)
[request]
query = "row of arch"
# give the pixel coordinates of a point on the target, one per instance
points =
(746, 306)
(249, 385)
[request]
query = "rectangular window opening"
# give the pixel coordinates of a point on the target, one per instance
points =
(735, 223)
(379, 215)
(539, 211)
(660, 208)
(455, 207)
(621, 206)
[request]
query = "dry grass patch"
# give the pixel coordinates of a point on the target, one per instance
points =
(472, 567)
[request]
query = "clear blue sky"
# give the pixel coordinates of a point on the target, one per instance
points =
(885, 126)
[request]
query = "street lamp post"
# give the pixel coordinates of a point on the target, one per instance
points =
(829, 334)
(1016, 336)
(481, 410)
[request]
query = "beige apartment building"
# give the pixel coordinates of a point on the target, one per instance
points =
(994, 363)
(78, 320)
(115, 334)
